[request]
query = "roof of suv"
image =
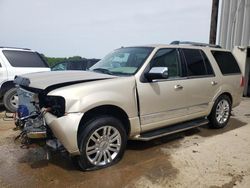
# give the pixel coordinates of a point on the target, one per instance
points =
(181, 46)
(186, 44)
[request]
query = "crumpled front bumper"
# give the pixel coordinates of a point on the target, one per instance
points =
(65, 129)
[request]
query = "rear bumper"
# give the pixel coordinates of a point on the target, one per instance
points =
(65, 130)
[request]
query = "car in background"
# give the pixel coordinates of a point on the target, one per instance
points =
(17, 61)
(74, 65)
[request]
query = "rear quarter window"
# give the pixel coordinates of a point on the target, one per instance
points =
(226, 62)
(24, 59)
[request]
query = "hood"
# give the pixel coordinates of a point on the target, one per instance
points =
(56, 79)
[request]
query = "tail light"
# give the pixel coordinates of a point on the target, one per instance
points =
(242, 82)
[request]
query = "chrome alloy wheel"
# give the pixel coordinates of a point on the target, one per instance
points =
(103, 145)
(222, 111)
(14, 101)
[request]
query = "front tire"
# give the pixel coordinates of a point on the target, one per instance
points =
(221, 112)
(10, 100)
(102, 143)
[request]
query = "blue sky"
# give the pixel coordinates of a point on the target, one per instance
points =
(93, 28)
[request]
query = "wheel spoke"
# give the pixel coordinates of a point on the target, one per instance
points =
(91, 152)
(114, 135)
(96, 157)
(105, 157)
(109, 156)
(115, 138)
(105, 131)
(109, 129)
(93, 138)
(97, 135)
(99, 158)
(112, 149)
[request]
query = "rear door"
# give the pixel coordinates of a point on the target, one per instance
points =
(201, 83)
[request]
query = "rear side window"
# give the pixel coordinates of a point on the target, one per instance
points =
(195, 62)
(24, 59)
(226, 62)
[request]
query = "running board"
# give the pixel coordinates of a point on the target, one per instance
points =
(171, 129)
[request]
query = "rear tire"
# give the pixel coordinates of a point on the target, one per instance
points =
(102, 143)
(221, 112)
(10, 100)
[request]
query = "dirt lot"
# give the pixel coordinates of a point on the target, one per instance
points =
(196, 158)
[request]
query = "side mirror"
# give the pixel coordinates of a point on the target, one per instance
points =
(156, 73)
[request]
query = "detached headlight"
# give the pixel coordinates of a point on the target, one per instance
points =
(55, 105)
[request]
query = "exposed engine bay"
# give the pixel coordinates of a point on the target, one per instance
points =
(30, 117)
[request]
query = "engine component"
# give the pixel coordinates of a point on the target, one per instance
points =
(35, 128)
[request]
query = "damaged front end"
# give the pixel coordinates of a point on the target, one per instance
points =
(30, 116)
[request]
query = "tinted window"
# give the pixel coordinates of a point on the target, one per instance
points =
(195, 63)
(207, 64)
(59, 66)
(76, 65)
(91, 62)
(226, 62)
(24, 59)
(167, 58)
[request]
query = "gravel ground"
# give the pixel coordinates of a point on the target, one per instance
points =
(199, 157)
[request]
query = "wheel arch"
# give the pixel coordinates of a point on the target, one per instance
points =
(6, 86)
(111, 110)
(227, 94)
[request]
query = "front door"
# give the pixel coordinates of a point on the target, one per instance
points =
(163, 102)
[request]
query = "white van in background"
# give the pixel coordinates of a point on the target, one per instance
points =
(17, 61)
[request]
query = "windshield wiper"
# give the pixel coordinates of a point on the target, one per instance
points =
(102, 70)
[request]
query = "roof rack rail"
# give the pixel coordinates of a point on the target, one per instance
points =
(195, 44)
(14, 47)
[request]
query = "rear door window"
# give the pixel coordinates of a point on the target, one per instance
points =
(24, 59)
(207, 63)
(226, 62)
(195, 62)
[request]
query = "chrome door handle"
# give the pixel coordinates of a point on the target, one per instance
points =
(178, 87)
(214, 83)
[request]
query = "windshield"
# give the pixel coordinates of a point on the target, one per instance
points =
(123, 61)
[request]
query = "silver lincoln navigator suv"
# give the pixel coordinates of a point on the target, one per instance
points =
(136, 93)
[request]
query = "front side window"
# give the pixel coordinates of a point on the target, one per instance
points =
(123, 61)
(167, 58)
(24, 58)
(195, 63)
(226, 62)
